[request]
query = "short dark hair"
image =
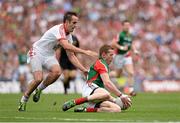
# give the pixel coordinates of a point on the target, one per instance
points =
(104, 49)
(68, 15)
(125, 21)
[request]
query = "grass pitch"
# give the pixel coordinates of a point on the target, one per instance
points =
(147, 107)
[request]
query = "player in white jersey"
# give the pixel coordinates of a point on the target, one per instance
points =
(42, 54)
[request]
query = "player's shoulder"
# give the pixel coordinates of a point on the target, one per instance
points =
(55, 29)
(100, 63)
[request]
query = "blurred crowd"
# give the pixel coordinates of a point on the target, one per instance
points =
(155, 28)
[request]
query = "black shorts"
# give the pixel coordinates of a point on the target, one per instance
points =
(64, 59)
(67, 65)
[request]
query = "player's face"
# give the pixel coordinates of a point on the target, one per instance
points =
(109, 56)
(71, 25)
(126, 26)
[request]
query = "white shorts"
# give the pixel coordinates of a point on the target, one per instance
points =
(121, 60)
(37, 60)
(23, 69)
(88, 90)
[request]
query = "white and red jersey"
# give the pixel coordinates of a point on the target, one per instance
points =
(50, 39)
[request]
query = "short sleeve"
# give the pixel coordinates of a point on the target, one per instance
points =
(100, 67)
(59, 32)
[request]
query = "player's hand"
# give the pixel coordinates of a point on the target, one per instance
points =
(85, 73)
(91, 53)
(136, 55)
(125, 100)
(124, 47)
(136, 52)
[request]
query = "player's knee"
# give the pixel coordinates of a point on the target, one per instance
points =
(38, 79)
(56, 73)
(119, 73)
(106, 96)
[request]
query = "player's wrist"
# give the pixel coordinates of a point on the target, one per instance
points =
(85, 71)
(120, 94)
(121, 48)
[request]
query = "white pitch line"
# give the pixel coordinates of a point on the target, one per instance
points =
(84, 120)
(65, 119)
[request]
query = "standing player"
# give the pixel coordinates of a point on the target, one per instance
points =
(123, 59)
(43, 54)
(94, 92)
(69, 70)
(23, 69)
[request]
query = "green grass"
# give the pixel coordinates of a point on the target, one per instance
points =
(147, 107)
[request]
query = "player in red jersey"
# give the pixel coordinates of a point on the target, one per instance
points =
(94, 93)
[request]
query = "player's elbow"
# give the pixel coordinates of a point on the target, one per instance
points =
(65, 44)
(66, 47)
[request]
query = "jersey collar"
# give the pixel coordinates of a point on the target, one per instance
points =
(65, 30)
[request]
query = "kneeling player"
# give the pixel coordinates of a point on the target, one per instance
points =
(94, 92)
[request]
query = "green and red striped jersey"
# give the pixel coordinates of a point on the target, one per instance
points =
(99, 67)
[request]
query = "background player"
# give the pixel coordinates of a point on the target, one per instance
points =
(123, 59)
(23, 69)
(43, 54)
(69, 70)
(94, 91)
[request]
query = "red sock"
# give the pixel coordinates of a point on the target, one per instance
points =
(91, 109)
(80, 100)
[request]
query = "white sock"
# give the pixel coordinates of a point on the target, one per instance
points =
(41, 87)
(24, 98)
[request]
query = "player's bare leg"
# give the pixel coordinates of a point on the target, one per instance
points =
(130, 78)
(66, 80)
(108, 106)
(53, 75)
(38, 77)
(72, 75)
(105, 106)
(98, 95)
(23, 84)
(119, 72)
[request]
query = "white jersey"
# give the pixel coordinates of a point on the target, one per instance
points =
(49, 40)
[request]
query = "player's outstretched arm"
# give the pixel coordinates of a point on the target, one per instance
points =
(109, 85)
(67, 46)
(112, 88)
(74, 60)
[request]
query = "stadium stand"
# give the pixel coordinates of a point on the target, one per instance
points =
(156, 31)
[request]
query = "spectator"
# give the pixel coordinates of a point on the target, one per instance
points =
(155, 26)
